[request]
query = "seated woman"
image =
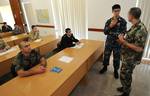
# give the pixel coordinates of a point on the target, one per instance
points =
(3, 46)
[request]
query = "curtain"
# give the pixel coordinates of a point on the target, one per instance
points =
(70, 14)
(144, 5)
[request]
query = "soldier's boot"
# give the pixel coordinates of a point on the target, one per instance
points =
(116, 75)
(120, 89)
(124, 94)
(103, 70)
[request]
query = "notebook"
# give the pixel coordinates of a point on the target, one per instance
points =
(56, 69)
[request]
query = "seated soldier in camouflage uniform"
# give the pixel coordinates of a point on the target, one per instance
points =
(34, 34)
(3, 46)
(27, 59)
(132, 49)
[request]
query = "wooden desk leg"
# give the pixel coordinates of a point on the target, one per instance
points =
(5, 67)
(48, 47)
(11, 43)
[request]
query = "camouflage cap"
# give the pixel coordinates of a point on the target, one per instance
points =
(23, 44)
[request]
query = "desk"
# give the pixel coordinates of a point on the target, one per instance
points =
(15, 40)
(6, 34)
(6, 61)
(57, 84)
(48, 42)
(46, 45)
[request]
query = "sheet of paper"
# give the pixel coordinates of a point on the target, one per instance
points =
(14, 37)
(8, 51)
(66, 59)
(38, 40)
(25, 34)
(79, 46)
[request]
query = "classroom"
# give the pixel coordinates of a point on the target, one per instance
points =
(74, 48)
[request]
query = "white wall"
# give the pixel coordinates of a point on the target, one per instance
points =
(31, 6)
(100, 10)
(6, 13)
(4, 2)
(1, 19)
(42, 4)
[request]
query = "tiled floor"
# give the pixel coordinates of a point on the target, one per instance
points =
(95, 84)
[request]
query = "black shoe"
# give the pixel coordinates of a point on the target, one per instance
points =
(116, 75)
(120, 89)
(103, 70)
(124, 94)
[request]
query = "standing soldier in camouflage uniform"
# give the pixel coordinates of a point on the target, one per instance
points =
(34, 34)
(132, 49)
(113, 27)
(3, 46)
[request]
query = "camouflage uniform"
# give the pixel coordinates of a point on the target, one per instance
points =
(111, 45)
(34, 35)
(25, 63)
(17, 30)
(3, 45)
(136, 35)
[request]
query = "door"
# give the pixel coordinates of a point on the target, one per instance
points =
(18, 14)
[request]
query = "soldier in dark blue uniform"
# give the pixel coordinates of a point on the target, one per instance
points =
(113, 27)
(68, 40)
(6, 28)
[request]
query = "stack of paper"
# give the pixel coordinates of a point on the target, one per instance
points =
(8, 51)
(14, 37)
(38, 40)
(79, 46)
(25, 34)
(66, 59)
